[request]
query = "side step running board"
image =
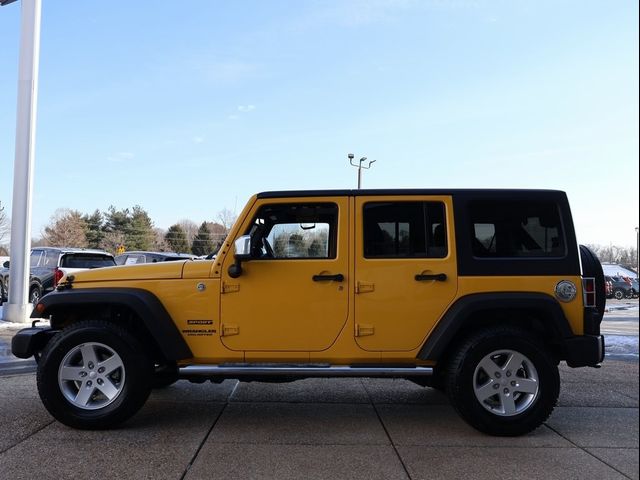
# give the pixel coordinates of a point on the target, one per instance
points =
(241, 370)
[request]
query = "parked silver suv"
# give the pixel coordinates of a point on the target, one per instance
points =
(49, 264)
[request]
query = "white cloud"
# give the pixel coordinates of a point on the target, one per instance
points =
(246, 108)
(198, 139)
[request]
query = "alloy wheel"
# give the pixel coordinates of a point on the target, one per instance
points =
(91, 376)
(505, 382)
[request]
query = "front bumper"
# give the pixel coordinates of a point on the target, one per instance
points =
(30, 341)
(584, 350)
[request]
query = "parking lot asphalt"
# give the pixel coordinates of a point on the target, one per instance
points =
(329, 428)
(326, 428)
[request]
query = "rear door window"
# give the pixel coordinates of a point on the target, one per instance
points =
(404, 230)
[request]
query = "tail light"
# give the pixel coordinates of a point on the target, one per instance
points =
(57, 276)
(589, 291)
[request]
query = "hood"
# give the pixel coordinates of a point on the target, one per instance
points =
(148, 271)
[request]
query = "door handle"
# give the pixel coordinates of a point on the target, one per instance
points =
(438, 277)
(338, 277)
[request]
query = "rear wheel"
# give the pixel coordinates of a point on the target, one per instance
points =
(619, 294)
(502, 382)
(94, 375)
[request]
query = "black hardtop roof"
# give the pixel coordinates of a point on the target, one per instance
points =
(468, 192)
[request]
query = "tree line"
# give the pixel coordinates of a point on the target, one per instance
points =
(132, 229)
(625, 256)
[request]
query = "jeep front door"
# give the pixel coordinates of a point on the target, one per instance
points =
(405, 269)
(292, 293)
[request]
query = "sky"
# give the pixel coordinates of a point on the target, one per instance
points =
(187, 108)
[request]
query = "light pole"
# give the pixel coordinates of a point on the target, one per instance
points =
(360, 166)
(16, 310)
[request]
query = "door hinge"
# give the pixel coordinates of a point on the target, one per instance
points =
(230, 287)
(364, 287)
(363, 330)
(228, 330)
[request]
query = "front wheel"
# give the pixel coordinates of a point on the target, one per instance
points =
(94, 375)
(503, 382)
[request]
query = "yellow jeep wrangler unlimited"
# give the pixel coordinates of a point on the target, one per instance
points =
(480, 293)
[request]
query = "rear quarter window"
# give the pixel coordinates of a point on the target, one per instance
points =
(517, 229)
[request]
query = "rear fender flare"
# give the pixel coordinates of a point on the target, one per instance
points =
(461, 312)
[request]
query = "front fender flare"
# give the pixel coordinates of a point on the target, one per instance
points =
(145, 304)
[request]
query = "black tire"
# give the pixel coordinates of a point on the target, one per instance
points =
(539, 371)
(164, 377)
(35, 294)
(131, 380)
(619, 294)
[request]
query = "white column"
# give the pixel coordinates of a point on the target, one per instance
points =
(17, 309)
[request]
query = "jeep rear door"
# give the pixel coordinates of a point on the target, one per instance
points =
(405, 269)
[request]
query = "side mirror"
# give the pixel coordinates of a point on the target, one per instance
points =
(6, 264)
(242, 252)
(242, 248)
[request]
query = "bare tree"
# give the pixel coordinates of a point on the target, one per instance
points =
(627, 256)
(226, 218)
(112, 240)
(190, 229)
(159, 243)
(4, 223)
(66, 228)
(218, 233)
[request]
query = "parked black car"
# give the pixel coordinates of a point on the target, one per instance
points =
(135, 258)
(620, 288)
(49, 264)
